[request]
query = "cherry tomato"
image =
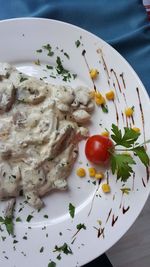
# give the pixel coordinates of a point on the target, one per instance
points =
(97, 149)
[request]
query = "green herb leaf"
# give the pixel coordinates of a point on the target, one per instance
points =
(66, 55)
(39, 51)
(37, 62)
(58, 257)
(121, 164)
(49, 67)
(64, 248)
(81, 226)
(52, 264)
(104, 108)
(71, 210)
(29, 218)
(9, 225)
(22, 79)
(77, 43)
(41, 249)
(127, 140)
(18, 219)
(125, 190)
(141, 153)
(49, 49)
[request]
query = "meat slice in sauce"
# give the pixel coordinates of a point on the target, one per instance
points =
(7, 96)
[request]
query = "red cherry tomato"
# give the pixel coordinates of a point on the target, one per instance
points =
(97, 149)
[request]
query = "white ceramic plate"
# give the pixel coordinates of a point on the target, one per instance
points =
(106, 217)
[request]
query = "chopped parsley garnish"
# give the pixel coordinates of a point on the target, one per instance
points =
(81, 226)
(77, 43)
(52, 264)
(18, 219)
(8, 222)
(45, 216)
(49, 67)
(64, 248)
(22, 79)
(37, 62)
(29, 218)
(125, 190)
(58, 257)
(104, 108)
(15, 241)
(71, 210)
(39, 51)
(41, 249)
(62, 71)
(49, 50)
(25, 237)
(66, 55)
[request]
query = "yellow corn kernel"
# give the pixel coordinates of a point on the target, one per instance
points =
(129, 112)
(137, 130)
(99, 175)
(110, 95)
(106, 188)
(81, 172)
(99, 99)
(92, 172)
(105, 133)
(94, 73)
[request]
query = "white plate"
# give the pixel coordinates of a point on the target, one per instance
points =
(20, 38)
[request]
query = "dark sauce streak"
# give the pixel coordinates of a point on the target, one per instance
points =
(116, 92)
(83, 54)
(117, 115)
(99, 182)
(147, 173)
(122, 116)
(107, 177)
(112, 71)
(125, 100)
(143, 182)
(101, 232)
(127, 122)
(108, 215)
(133, 181)
(123, 81)
(114, 220)
(124, 210)
(132, 119)
(142, 114)
(99, 51)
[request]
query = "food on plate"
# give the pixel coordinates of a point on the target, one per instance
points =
(41, 125)
(97, 149)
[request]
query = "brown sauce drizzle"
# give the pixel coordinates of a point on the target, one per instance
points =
(121, 201)
(107, 177)
(122, 116)
(132, 119)
(114, 220)
(83, 54)
(127, 122)
(99, 51)
(143, 182)
(112, 71)
(124, 210)
(108, 215)
(101, 232)
(133, 181)
(117, 114)
(142, 114)
(147, 173)
(123, 81)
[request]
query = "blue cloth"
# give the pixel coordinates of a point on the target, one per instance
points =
(123, 24)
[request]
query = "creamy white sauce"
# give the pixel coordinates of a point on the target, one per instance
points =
(40, 128)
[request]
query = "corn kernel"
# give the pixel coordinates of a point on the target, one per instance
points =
(92, 172)
(106, 188)
(105, 133)
(99, 99)
(81, 172)
(94, 73)
(137, 130)
(99, 175)
(129, 112)
(110, 95)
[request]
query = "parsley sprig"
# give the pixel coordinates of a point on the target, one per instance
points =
(8, 222)
(121, 163)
